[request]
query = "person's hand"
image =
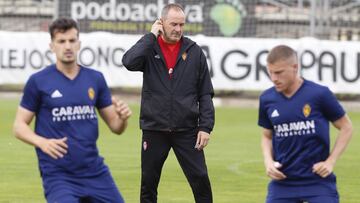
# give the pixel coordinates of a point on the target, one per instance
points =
(157, 28)
(323, 168)
(56, 148)
(272, 170)
(202, 140)
(121, 108)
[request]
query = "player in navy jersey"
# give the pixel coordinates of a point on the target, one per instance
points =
(295, 116)
(63, 98)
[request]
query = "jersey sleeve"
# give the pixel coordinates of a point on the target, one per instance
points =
(31, 96)
(104, 96)
(330, 106)
(263, 119)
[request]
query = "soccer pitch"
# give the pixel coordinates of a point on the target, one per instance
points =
(233, 157)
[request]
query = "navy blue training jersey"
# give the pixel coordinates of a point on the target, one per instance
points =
(67, 108)
(300, 129)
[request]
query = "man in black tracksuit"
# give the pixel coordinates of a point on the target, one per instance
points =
(176, 105)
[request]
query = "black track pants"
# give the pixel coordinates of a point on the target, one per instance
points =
(155, 149)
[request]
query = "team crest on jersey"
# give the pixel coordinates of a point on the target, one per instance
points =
(306, 110)
(91, 93)
(184, 56)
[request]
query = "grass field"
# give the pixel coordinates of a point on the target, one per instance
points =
(233, 157)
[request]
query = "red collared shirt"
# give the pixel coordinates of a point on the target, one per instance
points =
(170, 52)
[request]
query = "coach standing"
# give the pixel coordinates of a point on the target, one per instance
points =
(176, 107)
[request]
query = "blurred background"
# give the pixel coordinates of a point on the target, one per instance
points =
(235, 35)
(322, 19)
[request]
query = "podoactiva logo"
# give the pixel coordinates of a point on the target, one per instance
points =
(207, 17)
(228, 16)
(129, 11)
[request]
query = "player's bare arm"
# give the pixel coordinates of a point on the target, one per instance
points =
(272, 169)
(116, 115)
(56, 148)
(325, 168)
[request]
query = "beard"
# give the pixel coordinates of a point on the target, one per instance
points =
(68, 61)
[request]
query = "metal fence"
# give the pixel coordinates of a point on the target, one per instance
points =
(323, 19)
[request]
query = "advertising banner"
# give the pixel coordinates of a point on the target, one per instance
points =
(234, 63)
(207, 17)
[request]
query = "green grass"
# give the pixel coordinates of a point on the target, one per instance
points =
(233, 157)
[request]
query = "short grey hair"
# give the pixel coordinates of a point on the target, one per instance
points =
(168, 7)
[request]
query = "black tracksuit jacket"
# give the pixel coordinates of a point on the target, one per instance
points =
(181, 103)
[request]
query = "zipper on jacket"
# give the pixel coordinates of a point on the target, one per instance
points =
(171, 107)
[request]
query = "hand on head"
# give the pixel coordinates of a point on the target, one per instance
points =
(157, 28)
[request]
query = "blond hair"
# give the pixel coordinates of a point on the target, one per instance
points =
(281, 53)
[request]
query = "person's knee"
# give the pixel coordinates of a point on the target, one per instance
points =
(203, 176)
(61, 198)
(200, 179)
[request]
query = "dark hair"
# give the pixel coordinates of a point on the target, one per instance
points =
(168, 7)
(62, 25)
(280, 52)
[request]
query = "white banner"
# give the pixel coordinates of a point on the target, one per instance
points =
(234, 63)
